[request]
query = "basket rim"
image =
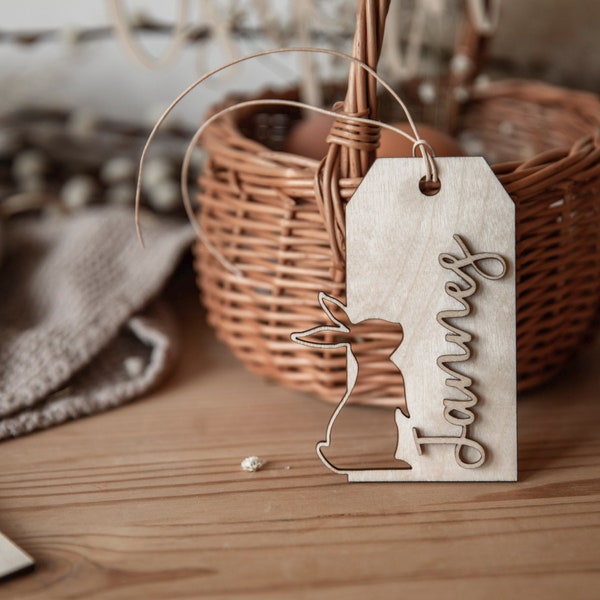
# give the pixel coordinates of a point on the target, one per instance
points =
(526, 90)
(537, 91)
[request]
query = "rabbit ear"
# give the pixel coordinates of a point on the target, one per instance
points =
(313, 338)
(336, 311)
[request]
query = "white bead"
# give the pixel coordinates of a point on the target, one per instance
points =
(78, 191)
(527, 152)
(117, 170)
(461, 64)
(165, 196)
(29, 163)
(472, 145)
(134, 366)
(482, 81)
(506, 128)
(427, 92)
(156, 170)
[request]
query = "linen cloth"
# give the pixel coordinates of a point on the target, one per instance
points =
(72, 339)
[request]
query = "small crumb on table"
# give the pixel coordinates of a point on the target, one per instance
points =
(252, 463)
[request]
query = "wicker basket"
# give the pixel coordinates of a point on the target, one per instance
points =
(279, 217)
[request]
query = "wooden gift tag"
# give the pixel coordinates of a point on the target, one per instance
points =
(443, 268)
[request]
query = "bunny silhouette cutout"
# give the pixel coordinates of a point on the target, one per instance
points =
(343, 333)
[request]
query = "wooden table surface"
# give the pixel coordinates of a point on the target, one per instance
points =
(149, 501)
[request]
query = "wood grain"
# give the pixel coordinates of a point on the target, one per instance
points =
(149, 501)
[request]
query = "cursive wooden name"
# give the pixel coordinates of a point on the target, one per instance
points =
(459, 411)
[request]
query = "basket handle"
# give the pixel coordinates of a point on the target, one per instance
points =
(352, 149)
(352, 146)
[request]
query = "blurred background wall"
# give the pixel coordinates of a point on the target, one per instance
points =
(557, 40)
(554, 40)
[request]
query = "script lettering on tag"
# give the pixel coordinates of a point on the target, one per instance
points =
(458, 406)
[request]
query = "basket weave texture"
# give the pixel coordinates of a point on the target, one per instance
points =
(279, 217)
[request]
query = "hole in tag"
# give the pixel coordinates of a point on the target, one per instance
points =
(429, 188)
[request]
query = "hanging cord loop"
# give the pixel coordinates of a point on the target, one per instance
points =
(431, 172)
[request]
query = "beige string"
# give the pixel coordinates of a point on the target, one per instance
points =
(220, 27)
(403, 62)
(431, 172)
(123, 31)
(484, 15)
